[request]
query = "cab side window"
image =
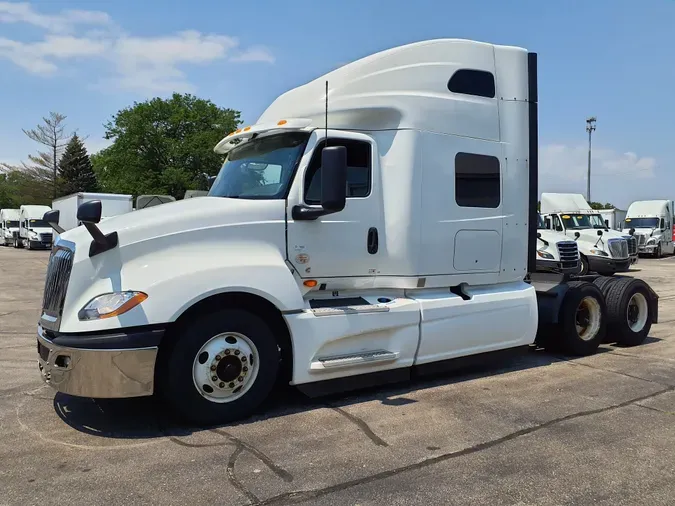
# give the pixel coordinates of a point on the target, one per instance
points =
(557, 224)
(359, 170)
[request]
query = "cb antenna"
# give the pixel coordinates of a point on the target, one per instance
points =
(326, 126)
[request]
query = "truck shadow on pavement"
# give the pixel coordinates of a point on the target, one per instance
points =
(147, 418)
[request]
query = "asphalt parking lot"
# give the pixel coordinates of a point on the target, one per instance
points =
(539, 429)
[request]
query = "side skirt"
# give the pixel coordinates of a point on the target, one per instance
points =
(380, 378)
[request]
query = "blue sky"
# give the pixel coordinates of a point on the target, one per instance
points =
(608, 58)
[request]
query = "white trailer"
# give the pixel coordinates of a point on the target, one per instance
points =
(34, 232)
(397, 231)
(652, 223)
(614, 218)
(9, 226)
(112, 204)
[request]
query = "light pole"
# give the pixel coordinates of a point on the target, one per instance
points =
(590, 126)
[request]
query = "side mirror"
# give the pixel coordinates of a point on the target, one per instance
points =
(89, 212)
(334, 178)
(577, 235)
(631, 231)
(538, 235)
(52, 217)
(599, 232)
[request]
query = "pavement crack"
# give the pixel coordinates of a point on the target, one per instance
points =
(234, 481)
(627, 375)
(656, 409)
(302, 496)
(279, 471)
(362, 425)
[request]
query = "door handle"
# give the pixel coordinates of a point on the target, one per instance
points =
(372, 240)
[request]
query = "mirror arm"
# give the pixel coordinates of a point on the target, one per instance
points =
(307, 213)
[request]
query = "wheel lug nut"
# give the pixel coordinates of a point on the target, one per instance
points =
(236, 352)
(227, 352)
(245, 369)
(243, 359)
(214, 378)
(218, 357)
(213, 367)
(231, 385)
(241, 378)
(221, 384)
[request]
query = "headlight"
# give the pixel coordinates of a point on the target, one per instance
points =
(544, 254)
(599, 252)
(32, 235)
(109, 305)
(652, 240)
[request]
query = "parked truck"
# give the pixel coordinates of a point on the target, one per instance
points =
(555, 251)
(652, 223)
(376, 221)
(614, 218)
(601, 250)
(112, 204)
(9, 226)
(34, 232)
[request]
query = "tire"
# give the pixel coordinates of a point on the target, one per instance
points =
(584, 269)
(629, 312)
(582, 300)
(603, 282)
(231, 334)
(658, 252)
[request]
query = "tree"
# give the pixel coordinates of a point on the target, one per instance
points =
(18, 187)
(76, 173)
(163, 146)
(598, 205)
(44, 165)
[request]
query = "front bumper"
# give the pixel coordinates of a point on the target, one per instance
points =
(608, 265)
(100, 366)
(40, 244)
(555, 266)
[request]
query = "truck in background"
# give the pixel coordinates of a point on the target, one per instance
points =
(9, 226)
(614, 218)
(34, 232)
(555, 251)
(337, 248)
(601, 250)
(651, 222)
(112, 204)
(143, 201)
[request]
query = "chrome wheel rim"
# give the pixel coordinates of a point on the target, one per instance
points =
(587, 318)
(225, 367)
(637, 312)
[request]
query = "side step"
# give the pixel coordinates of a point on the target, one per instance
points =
(333, 311)
(354, 359)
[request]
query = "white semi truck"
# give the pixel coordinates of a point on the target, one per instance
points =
(555, 251)
(602, 250)
(34, 232)
(9, 226)
(351, 237)
(112, 204)
(651, 222)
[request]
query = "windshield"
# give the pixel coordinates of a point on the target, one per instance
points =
(12, 224)
(642, 222)
(261, 168)
(540, 223)
(574, 221)
(37, 224)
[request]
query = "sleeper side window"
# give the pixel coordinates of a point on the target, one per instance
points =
(359, 170)
(478, 83)
(477, 180)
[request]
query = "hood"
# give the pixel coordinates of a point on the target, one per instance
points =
(552, 237)
(182, 216)
(41, 230)
(591, 235)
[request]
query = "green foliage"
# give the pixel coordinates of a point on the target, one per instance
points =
(163, 146)
(598, 205)
(17, 188)
(75, 173)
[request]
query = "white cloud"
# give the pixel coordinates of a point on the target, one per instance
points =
(570, 163)
(257, 53)
(144, 64)
(66, 21)
(96, 144)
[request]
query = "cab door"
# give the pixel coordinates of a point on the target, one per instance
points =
(345, 245)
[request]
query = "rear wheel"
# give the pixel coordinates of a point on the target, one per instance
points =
(629, 311)
(220, 367)
(582, 320)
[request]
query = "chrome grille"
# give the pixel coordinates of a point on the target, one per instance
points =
(642, 239)
(46, 238)
(618, 248)
(569, 253)
(56, 283)
(15, 234)
(632, 244)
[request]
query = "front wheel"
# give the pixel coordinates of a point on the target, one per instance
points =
(658, 253)
(584, 269)
(221, 367)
